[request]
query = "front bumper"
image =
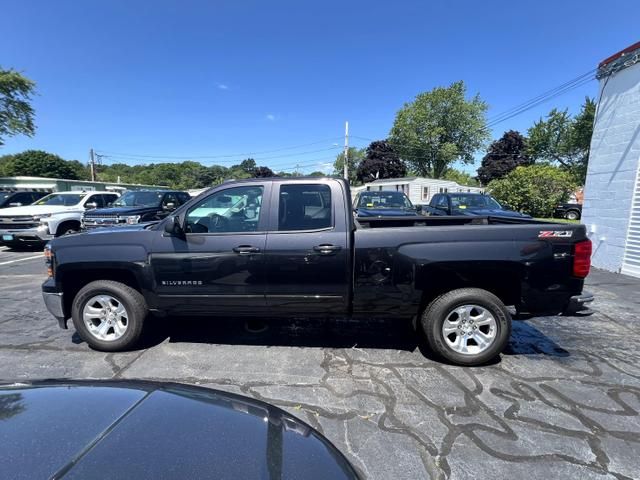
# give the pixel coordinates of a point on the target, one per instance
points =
(38, 234)
(54, 301)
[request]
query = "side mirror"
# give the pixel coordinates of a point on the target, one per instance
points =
(170, 206)
(419, 208)
(172, 227)
(91, 205)
(15, 204)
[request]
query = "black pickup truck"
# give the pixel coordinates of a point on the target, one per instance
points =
(292, 247)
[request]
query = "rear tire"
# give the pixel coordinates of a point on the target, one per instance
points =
(572, 215)
(468, 326)
(121, 296)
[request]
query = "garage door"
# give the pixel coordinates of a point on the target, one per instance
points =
(631, 263)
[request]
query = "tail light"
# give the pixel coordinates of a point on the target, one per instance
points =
(582, 258)
(48, 260)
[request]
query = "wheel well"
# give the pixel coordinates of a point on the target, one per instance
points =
(73, 281)
(506, 285)
(67, 224)
(575, 210)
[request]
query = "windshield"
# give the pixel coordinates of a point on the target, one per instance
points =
(66, 200)
(474, 201)
(139, 199)
(384, 200)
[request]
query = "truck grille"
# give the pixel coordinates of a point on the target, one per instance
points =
(102, 221)
(17, 223)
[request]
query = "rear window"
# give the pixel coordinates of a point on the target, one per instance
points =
(304, 207)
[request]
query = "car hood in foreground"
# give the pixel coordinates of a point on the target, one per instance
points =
(98, 212)
(386, 212)
(151, 430)
(493, 212)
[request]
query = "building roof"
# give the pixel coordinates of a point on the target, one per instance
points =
(619, 61)
(399, 179)
(621, 53)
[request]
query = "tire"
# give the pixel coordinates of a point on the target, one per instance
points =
(471, 302)
(67, 229)
(572, 215)
(135, 312)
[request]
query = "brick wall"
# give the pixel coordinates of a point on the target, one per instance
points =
(613, 165)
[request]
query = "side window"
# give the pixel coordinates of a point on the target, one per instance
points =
(97, 199)
(23, 198)
(442, 202)
(304, 207)
(232, 210)
(183, 198)
(169, 202)
(109, 199)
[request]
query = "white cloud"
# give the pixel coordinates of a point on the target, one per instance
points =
(271, 117)
(222, 86)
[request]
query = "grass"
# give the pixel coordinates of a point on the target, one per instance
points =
(558, 220)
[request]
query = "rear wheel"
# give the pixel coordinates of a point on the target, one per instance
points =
(572, 215)
(109, 315)
(468, 326)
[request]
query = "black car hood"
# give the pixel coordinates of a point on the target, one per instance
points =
(386, 212)
(121, 211)
(493, 212)
(130, 430)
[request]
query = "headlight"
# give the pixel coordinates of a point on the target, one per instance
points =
(37, 218)
(131, 220)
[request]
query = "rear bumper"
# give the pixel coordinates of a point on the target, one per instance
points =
(578, 303)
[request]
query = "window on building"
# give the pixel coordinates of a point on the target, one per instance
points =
(425, 193)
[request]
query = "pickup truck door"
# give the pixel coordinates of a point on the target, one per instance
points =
(218, 266)
(307, 254)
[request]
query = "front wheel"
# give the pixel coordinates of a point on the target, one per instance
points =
(109, 315)
(468, 326)
(572, 215)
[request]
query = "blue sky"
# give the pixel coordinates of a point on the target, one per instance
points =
(212, 78)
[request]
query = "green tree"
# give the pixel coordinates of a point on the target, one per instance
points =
(438, 128)
(16, 113)
(36, 163)
(381, 161)
(355, 157)
(462, 178)
(504, 155)
(564, 140)
(534, 189)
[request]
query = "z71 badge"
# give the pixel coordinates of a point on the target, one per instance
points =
(555, 234)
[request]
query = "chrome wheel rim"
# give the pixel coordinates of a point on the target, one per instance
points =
(105, 317)
(469, 329)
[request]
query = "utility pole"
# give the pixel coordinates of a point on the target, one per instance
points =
(92, 162)
(346, 150)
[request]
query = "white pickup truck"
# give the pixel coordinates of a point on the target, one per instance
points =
(52, 216)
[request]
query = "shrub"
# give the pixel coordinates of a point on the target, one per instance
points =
(535, 189)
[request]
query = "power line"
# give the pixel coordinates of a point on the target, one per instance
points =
(198, 157)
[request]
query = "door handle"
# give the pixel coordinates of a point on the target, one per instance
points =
(327, 249)
(246, 249)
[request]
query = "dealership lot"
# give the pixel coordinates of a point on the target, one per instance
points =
(563, 401)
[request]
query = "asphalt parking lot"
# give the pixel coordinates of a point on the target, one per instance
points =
(562, 402)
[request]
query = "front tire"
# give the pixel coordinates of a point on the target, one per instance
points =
(109, 315)
(468, 326)
(572, 215)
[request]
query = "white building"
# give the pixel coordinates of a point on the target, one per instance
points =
(419, 189)
(611, 207)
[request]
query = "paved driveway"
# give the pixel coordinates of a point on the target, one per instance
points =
(562, 402)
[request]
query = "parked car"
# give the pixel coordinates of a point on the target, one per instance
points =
(136, 207)
(18, 199)
(264, 245)
(52, 216)
(469, 204)
(135, 430)
(570, 211)
(384, 204)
